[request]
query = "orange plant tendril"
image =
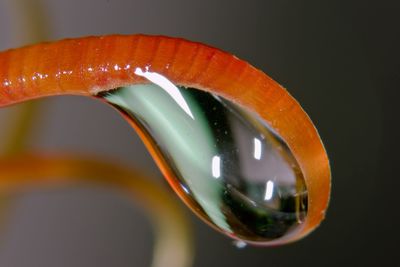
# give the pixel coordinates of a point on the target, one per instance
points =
(87, 66)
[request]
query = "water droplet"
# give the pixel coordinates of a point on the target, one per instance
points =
(239, 244)
(226, 163)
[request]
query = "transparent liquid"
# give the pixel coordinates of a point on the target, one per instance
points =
(226, 164)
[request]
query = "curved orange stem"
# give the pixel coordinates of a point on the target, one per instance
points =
(86, 66)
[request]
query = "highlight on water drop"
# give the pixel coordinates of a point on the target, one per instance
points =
(225, 162)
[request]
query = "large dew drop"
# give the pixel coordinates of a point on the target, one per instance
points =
(229, 166)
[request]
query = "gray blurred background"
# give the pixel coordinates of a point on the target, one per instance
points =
(340, 59)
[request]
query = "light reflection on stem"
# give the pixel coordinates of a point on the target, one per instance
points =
(173, 246)
(30, 26)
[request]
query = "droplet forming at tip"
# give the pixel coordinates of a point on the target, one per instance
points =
(229, 166)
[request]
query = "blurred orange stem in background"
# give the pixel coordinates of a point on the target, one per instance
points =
(173, 246)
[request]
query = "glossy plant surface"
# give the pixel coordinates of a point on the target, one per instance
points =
(88, 66)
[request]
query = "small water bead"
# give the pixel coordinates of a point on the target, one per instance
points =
(233, 170)
(239, 244)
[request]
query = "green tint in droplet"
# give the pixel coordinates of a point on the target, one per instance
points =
(237, 173)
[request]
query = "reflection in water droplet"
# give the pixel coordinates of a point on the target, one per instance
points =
(227, 164)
